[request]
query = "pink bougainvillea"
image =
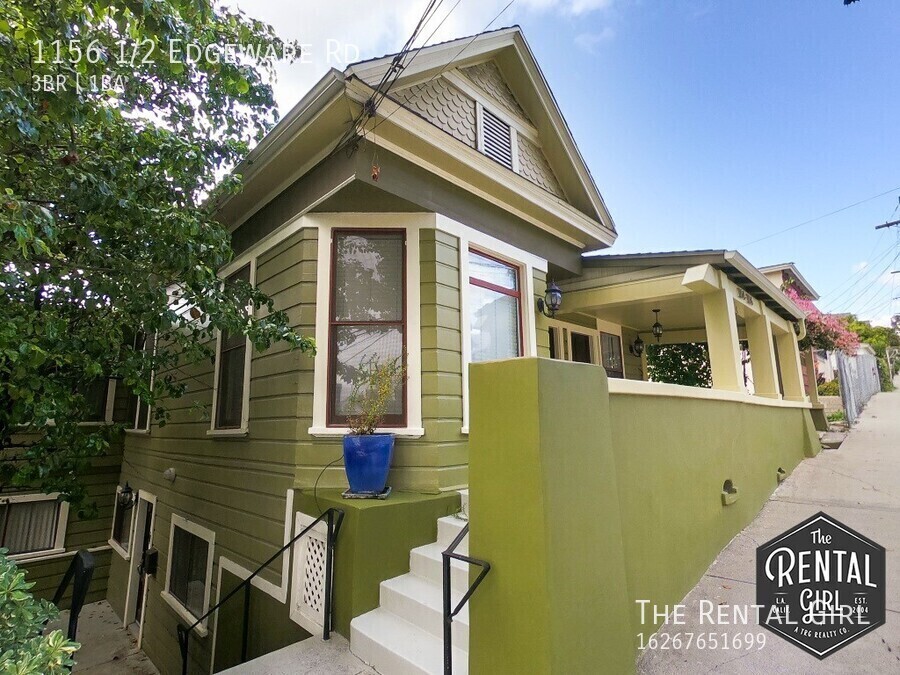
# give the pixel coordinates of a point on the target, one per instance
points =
(823, 331)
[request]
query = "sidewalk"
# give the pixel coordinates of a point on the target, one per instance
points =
(859, 485)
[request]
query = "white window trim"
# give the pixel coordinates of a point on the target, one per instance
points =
(59, 544)
(210, 537)
(110, 404)
(244, 429)
(116, 546)
(412, 223)
(527, 264)
(137, 412)
(570, 328)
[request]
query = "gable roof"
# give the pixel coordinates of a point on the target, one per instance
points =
(510, 51)
(791, 269)
(307, 135)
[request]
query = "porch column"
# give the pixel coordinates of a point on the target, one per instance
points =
(721, 326)
(762, 356)
(791, 370)
(812, 390)
(722, 339)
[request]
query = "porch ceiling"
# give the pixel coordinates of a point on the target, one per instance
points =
(607, 270)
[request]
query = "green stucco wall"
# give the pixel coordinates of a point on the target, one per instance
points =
(544, 508)
(585, 502)
(672, 457)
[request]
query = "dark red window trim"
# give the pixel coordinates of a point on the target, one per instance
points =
(512, 292)
(332, 418)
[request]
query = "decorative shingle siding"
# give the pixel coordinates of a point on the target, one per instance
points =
(444, 106)
(534, 166)
(488, 78)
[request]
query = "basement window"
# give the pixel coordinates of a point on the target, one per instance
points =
(32, 525)
(189, 575)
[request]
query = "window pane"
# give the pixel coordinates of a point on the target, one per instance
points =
(492, 271)
(190, 555)
(368, 277)
(494, 324)
(122, 525)
(611, 352)
(354, 346)
(230, 393)
(26, 527)
(581, 347)
(95, 398)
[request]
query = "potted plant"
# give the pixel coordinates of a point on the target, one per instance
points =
(367, 454)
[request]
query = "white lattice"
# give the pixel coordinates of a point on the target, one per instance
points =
(308, 578)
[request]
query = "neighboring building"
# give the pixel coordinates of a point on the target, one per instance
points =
(433, 239)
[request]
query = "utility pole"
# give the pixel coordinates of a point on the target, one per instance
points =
(893, 223)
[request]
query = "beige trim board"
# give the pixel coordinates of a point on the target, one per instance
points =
(642, 388)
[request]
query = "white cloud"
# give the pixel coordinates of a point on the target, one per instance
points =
(338, 32)
(860, 266)
(590, 42)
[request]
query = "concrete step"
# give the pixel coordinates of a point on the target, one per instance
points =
(448, 528)
(426, 562)
(421, 603)
(832, 439)
(393, 646)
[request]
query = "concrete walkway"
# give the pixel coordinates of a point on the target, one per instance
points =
(106, 647)
(859, 485)
(309, 657)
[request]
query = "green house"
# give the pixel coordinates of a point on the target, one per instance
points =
(434, 234)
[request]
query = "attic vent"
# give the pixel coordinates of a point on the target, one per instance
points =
(497, 141)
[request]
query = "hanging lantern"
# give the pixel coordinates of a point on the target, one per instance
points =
(657, 327)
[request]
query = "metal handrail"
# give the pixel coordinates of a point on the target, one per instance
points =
(334, 518)
(79, 573)
(448, 614)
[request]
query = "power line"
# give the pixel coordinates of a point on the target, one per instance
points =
(817, 218)
(865, 271)
(866, 267)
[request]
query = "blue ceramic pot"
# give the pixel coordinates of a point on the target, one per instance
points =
(367, 460)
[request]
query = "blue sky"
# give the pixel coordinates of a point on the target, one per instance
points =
(706, 124)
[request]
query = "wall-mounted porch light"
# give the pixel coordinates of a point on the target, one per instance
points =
(125, 497)
(637, 347)
(550, 304)
(657, 327)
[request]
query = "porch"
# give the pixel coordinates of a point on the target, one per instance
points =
(713, 297)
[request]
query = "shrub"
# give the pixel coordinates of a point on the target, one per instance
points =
(884, 373)
(832, 388)
(24, 649)
(836, 416)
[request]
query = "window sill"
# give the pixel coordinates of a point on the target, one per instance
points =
(138, 432)
(228, 433)
(36, 555)
(117, 547)
(338, 432)
(184, 613)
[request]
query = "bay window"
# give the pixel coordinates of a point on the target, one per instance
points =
(495, 312)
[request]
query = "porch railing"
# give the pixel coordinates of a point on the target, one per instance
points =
(449, 611)
(333, 518)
